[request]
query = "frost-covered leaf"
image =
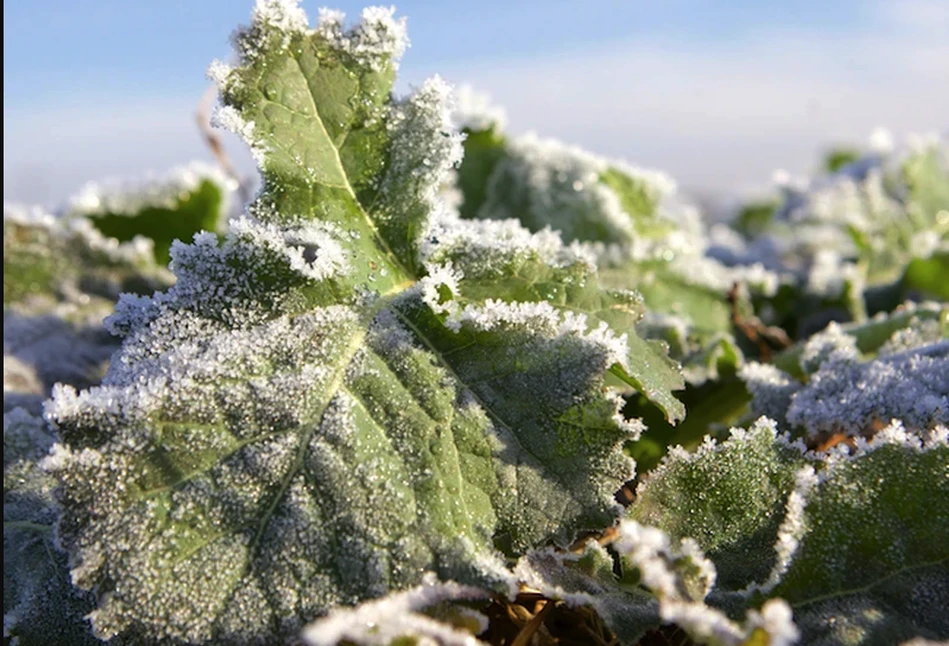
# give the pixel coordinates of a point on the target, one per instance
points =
(905, 322)
(871, 564)
(48, 260)
(40, 605)
(905, 378)
(336, 397)
(858, 539)
(170, 207)
(627, 219)
(729, 496)
(863, 238)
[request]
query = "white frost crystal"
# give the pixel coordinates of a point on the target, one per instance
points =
(681, 578)
(378, 38)
(908, 380)
(845, 395)
(399, 615)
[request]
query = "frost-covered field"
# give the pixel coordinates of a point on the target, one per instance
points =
(438, 384)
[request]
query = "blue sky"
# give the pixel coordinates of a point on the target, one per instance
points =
(717, 93)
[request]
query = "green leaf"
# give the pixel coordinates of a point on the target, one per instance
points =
(859, 539)
(728, 496)
(872, 566)
(172, 207)
(342, 396)
(837, 158)
(927, 276)
(483, 150)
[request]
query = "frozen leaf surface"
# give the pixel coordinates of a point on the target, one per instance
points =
(734, 494)
(40, 605)
(856, 381)
(859, 537)
(332, 400)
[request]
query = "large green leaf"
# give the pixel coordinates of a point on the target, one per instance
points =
(337, 398)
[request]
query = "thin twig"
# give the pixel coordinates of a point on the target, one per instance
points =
(211, 138)
(524, 637)
(766, 338)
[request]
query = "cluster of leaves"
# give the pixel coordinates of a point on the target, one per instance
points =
(384, 404)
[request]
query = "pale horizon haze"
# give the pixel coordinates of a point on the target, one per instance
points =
(718, 95)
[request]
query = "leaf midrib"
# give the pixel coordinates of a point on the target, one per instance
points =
(342, 171)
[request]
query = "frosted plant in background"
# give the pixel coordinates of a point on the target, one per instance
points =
(629, 220)
(905, 377)
(61, 277)
(880, 223)
(162, 208)
(64, 270)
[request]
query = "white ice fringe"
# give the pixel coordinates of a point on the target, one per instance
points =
(378, 38)
(481, 244)
(129, 197)
(382, 621)
(649, 549)
(284, 15)
(441, 277)
(792, 529)
(312, 247)
(543, 317)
